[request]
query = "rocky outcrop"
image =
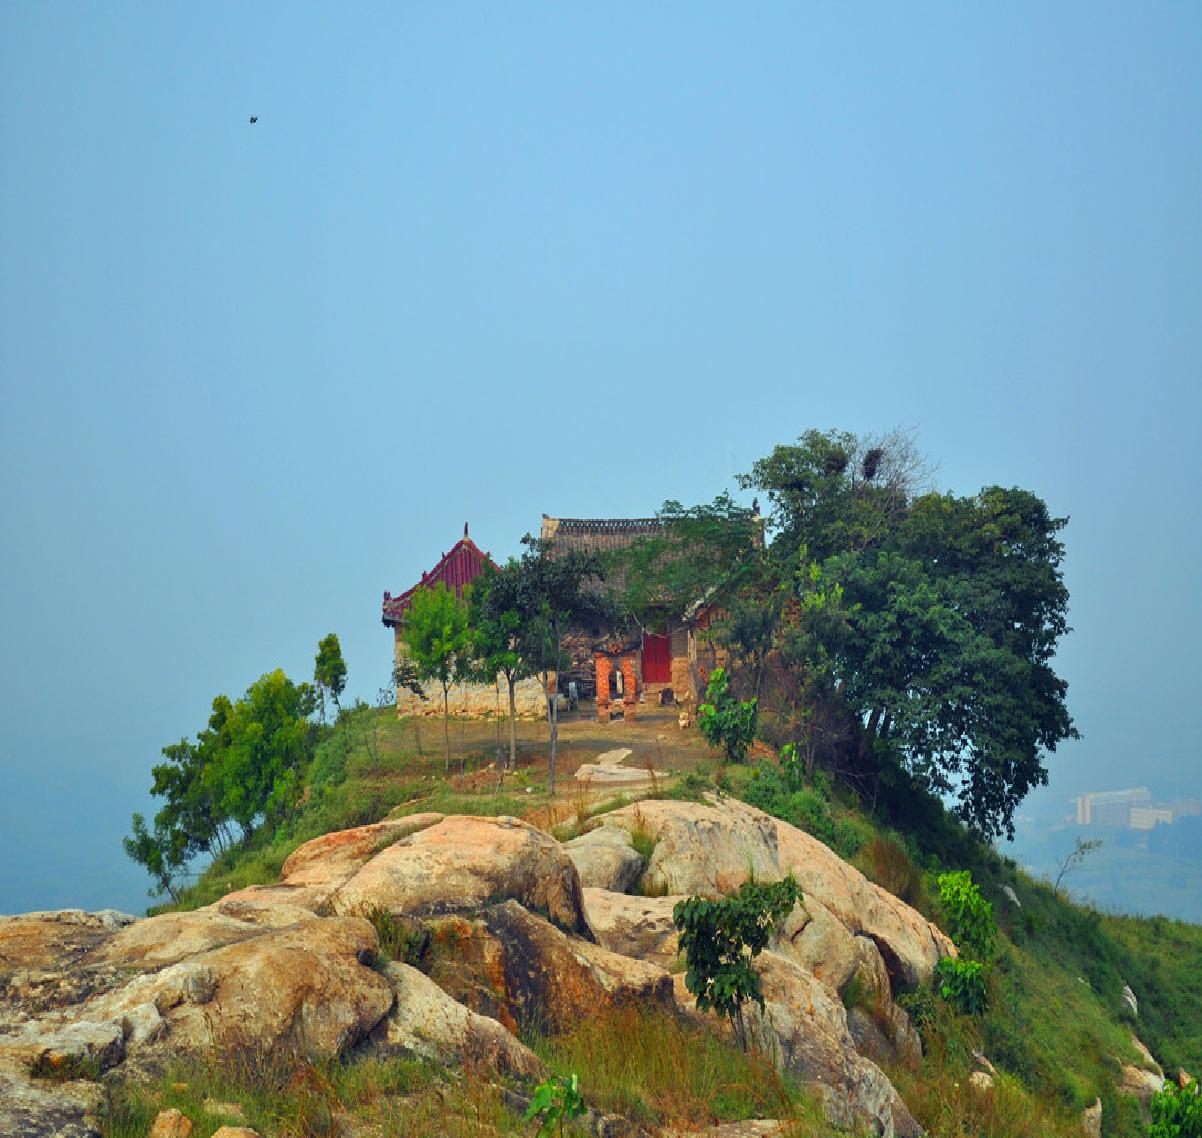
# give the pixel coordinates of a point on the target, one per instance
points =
(514, 941)
(711, 848)
(634, 926)
(513, 965)
(605, 858)
(462, 863)
(805, 1027)
(425, 1021)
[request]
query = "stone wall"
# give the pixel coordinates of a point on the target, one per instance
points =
(472, 701)
(477, 701)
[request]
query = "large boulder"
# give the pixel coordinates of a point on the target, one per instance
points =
(313, 871)
(605, 858)
(425, 1021)
(804, 1026)
(464, 863)
(514, 966)
(640, 927)
(712, 847)
(306, 986)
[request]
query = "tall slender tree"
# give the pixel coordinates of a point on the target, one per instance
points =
(435, 634)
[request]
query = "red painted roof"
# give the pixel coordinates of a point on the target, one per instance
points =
(457, 569)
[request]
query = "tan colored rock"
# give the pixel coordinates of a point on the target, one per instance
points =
(235, 1132)
(304, 986)
(429, 1023)
(1141, 1084)
(462, 863)
(805, 1027)
(171, 937)
(1091, 1120)
(34, 1108)
(171, 1123)
(333, 858)
(523, 971)
(710, 849)
(814, 938)
(640, 927)
(981, 1082)
(53, 1046)
(48, 940)
(605, 858)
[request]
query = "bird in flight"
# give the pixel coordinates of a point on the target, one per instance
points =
(254, 118)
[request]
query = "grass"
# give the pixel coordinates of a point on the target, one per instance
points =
(285, 1096)
(658, 1071)
(1056, 1028)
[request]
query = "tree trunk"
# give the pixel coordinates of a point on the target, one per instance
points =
(513, 727)
(446, 730)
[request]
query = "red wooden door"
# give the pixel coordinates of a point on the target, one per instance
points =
(657, 659)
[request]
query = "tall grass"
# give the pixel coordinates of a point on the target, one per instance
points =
(659, 1071)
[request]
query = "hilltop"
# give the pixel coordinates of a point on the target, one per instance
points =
(414, 950)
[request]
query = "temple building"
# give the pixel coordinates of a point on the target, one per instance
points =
(457, 569)
(665, 661)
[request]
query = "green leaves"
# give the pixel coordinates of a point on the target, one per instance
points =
(928, 622)
(721, 938)
(1177, 1112)
(435, 632)
(556, 1100)
(329, 670)
(725, 721)
(244, 768)
(968, 916)
(962, 983)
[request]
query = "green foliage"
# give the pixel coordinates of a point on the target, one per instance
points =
(245, 768)
(969, 917)
(721, 938)
(1177, 1112)
(329, 671)
(925, 623)
(556, 1100)
(436, 639)
(724, 721)
(964, 984)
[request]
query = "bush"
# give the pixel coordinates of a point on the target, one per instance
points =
(1177, 1112)
(962, 983)
(721, 938)
(724, 721)
(969, 916)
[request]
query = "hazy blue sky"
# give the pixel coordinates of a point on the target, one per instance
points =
(478, 263)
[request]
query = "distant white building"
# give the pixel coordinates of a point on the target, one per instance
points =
(1111, 807)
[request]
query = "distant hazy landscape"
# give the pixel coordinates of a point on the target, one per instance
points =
(1144, 872)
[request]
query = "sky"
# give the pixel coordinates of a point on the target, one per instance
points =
(477, 263)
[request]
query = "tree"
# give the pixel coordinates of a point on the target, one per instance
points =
(939, 618)
(497, 645)
(1082, 848)
(435, 633)
(552, 590)
(329, 671)
(244, 767)
(721, 938)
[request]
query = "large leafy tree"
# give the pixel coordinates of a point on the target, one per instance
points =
(244, 767)
(435, 634)
(498, 647)
(552, 591)
(937, 616)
